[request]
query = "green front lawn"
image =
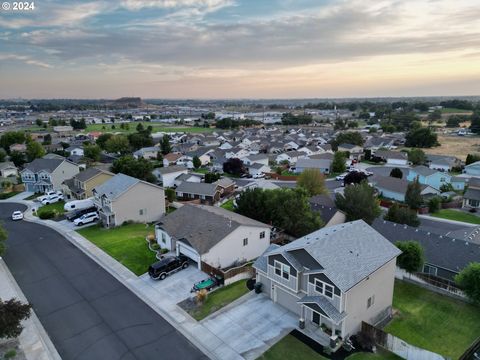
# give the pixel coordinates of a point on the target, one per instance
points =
(33, 196)
(125, 243)
(56, 207)
(293, 349)
(432, 321)
(228, 205)
(8, 195)
(219, 298)
(457, 216)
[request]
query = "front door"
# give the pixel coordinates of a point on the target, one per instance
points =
(316, 317)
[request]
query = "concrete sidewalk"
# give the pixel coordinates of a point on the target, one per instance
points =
(34, 341)
(196, 332)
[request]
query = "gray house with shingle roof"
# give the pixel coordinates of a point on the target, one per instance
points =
(43, 174)
(212, 235)
(334, 278)
(203, 192)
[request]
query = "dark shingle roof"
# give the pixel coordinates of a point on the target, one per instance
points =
(197, 188)
(88, 174)
(44, 164)
(203, 226)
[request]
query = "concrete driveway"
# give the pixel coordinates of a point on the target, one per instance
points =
(251, 325)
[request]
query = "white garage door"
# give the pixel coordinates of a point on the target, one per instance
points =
(188, 251)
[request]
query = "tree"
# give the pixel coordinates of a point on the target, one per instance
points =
(92, 152)
(3, 155)
(402, 215)
(211, 177)
(396, 173)
(140, 169)
(102, 140)
(9, 138)
(471, 158)
(421, 137)
(3, 239)
(118, 144)
(359, 202)
(412, 258)
(17, 158)
(234, 166)
(469, 281)
(170, 194)
(475, 122)
(446, 187)
(338, 162)
(165, 146)
(417, 156)
(140, 127)
(353, 137)
(354, 177)
(34, 150)
(196, 162)
(313, 181)
(434, 204)
(287, 209)
(140, 140)
(12, 312)
(78, 124)
(413, 196)
(47, 139)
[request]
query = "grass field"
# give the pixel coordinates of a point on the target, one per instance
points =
(457, 216)
(156, 128)
(459, 146)
(228, 205)
(56, 207)
(125, 243)
(433, 322)
(219, 298)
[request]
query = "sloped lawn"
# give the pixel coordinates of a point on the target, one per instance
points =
(432, 321)
(125, 243)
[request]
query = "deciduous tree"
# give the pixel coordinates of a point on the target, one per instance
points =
(359, 202)
(313, 181)
(12, 312)
(412, 257)
(469, 281)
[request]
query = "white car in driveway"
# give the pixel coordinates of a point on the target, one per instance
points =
(86, 219)
(17, 215)
(341, 177)
(52, 199)
(49, 194)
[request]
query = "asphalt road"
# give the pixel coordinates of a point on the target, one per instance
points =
(87, 313)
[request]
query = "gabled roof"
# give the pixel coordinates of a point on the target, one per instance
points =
(170, 169)
(423, 170)
(116, 186)
(347, 252)
(314, 163)
(89, 173)
(7, 165)
(48, 165)
(197, 188)
(387, 154)
(204, 226)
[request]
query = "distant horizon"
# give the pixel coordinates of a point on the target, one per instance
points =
(240, 49)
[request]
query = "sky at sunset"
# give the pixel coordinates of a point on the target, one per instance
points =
(240, 49)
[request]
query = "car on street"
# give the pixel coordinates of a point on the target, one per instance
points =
(259, 176)
(86, 218)
(341, 177)
(168, 265)
(17, 215)
(52, 199)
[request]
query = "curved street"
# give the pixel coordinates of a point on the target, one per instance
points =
(87, 312)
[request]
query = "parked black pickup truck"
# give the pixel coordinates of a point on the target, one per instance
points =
(166, 266)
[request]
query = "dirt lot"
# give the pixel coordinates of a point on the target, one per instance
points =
(458, 146)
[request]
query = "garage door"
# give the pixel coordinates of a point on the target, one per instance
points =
(285, 299)
(188, 251)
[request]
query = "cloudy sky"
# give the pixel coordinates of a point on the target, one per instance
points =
(240, 48)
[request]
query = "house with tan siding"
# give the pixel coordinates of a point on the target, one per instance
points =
(81, 185)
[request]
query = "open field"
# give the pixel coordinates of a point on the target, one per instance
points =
(459, 146)
(156, 128)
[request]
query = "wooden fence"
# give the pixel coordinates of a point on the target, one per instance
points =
(232, 274)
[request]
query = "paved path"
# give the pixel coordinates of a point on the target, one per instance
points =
(87, 312)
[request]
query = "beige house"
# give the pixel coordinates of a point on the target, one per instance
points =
(333, 279)
(125, 198)
(81, 185)
(8, 169)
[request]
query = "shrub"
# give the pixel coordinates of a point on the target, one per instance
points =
(434, 204)
(163, 251)
(10, 354)
(46, 214)
(155, 246)
(201, 296)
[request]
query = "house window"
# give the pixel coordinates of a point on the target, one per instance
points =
(370, 301)
(164, 240)
(430, 270)
(473, 203)
(245, 242)
(324, 288)
(442, 179)
(262, 235)
(282, 270)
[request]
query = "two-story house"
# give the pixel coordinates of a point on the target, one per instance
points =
(46, 174)
(125, 198)
(8, 169)
(334, 278)
(471, 198)
(435, 179)
(81, 185)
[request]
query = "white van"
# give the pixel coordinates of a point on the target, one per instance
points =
(78, 204)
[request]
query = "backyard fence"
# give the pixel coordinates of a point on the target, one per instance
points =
(232, 274)
(398, 346)
(452, 205)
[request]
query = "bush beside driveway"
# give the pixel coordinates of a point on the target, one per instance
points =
(125, 243)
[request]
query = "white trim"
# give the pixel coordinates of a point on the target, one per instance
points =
(323, 285)
(282, 270)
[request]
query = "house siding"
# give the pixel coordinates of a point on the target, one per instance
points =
(66, 170)
(379, 284)
(141, 196)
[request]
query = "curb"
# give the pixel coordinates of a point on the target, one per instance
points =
(47, 343)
